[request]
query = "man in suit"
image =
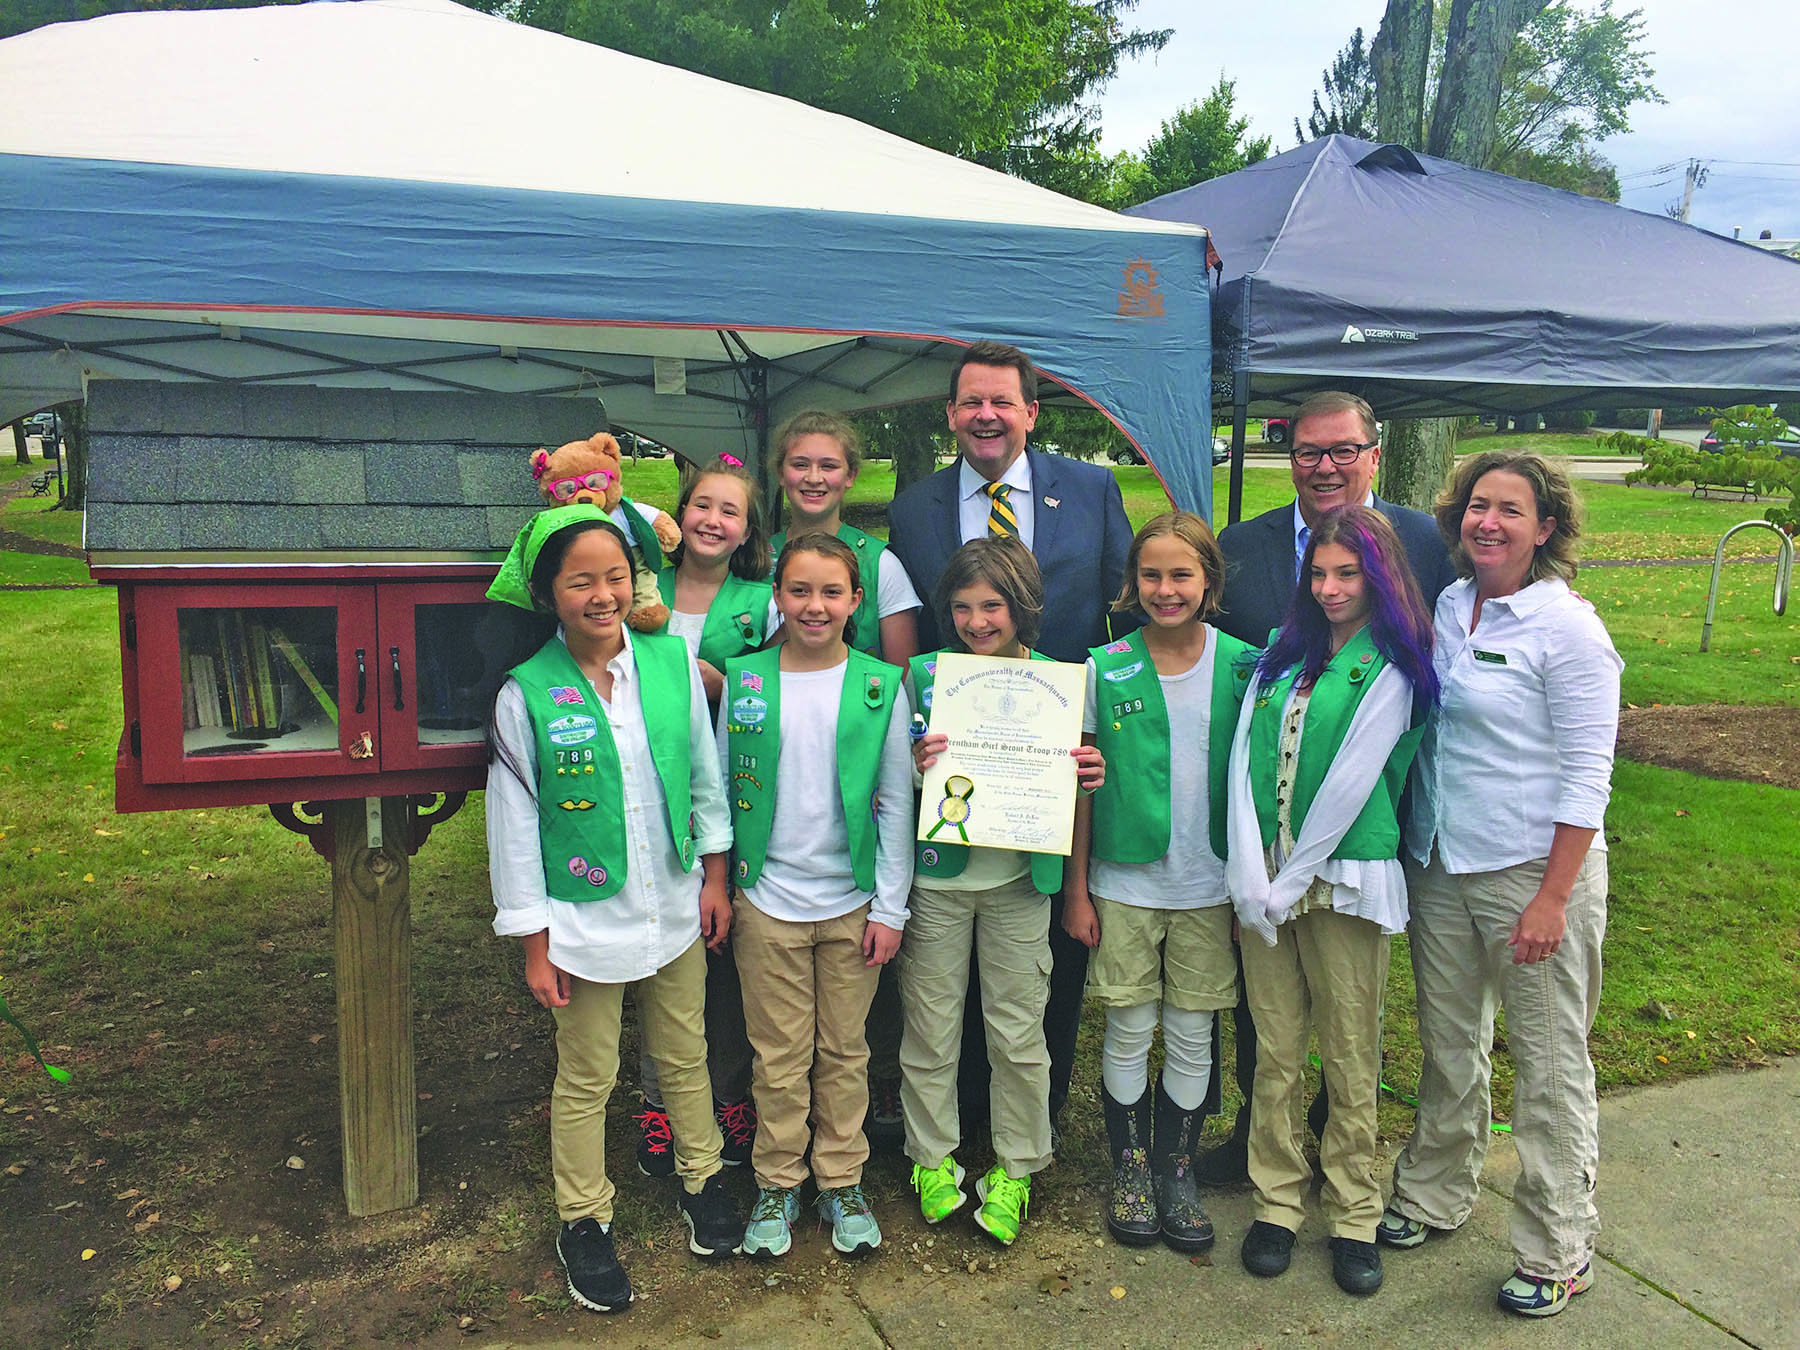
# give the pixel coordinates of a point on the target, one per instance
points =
(1072, 518)
(1334, 451)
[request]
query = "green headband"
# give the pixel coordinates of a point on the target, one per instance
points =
(513, 584)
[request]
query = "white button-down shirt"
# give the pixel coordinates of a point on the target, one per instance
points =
(655, 916)
(1523, 739)
(1303, 531)
(972, 517)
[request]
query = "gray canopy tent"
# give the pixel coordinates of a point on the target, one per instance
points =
(1431, 288)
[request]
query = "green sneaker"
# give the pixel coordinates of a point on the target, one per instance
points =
(853, 1226)
(1004, 1201)
(771, 1228)
(940, 1189)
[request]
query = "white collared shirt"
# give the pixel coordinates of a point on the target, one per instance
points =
(1523, 739)
(1303, 531)
(975, 505)
(655, 917)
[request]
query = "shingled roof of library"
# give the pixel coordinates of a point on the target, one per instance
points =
(220, 468)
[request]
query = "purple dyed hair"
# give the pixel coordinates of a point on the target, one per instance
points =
(1398, 621)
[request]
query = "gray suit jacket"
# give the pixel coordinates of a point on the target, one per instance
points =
(1259, 566)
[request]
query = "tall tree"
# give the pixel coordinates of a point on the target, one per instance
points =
(1418, 453)
(1201, 141)
(1348, 107)
(1006, 83)
(1400, 58)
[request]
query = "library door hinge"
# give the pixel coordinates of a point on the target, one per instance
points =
(137, 742)
(131, 632)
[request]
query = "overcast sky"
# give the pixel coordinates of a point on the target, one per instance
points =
(1727, 68)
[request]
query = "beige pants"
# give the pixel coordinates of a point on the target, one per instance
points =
(807, 991)
(1008, 927)
(1181, 957)
(1463, 967)
(672, 1008)
(1327, 971)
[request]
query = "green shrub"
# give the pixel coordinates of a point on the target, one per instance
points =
(1568, 420)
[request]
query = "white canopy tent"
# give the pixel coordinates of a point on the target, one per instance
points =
(409, 194)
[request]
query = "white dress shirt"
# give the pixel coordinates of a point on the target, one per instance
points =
(655, 916)
(975, 505)
(1523, 739)
(1368, 888)
(1303, 531)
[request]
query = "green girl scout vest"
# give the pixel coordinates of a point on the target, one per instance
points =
(1335, 698)
(753, 739)
(868, 565)
(643, 534)
(934, 859)
(581, 810)
(1132, 810)
(734, 621)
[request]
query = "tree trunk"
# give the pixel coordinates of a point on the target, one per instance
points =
(73, 419)
(914, 447)
(21, 451)
(1481, 37)
(1400, 56)
(1417, 454)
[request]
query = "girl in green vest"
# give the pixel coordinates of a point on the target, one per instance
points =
(607, 839)
(1147, 874)
(995, 903)
(1317, 768)
(721, 605)
(813, 734)
(817, 457)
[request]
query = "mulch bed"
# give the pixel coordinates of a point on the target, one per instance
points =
(1716, 740)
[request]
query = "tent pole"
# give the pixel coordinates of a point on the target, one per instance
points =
(759, 402)
(1240, 407)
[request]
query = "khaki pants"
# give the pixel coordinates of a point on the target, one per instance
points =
(806, 997)
(1009, 929)
(727, 1047)
(1329, 970)
(1463, 967)
(671, 1007)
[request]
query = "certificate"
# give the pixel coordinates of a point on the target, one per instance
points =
(1007, 779)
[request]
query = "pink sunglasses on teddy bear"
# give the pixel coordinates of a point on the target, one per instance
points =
(565, 489)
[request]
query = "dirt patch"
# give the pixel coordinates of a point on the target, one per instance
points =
(1716, 740)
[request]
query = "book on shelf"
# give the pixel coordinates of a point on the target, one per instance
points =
(279, 640)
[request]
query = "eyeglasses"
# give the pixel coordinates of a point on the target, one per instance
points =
(564, 489)
(1307, 456)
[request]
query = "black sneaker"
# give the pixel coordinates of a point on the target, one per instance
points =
(656, 1146)
(1356, 1266)
(715, 1227)
(1268, 1247)
(596, 1279)
(885, 1124)
(737, 1131)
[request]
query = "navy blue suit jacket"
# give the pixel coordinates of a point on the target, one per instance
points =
(1259, 566)
(1080, 545)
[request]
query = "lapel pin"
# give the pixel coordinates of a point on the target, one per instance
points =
(1053, 502)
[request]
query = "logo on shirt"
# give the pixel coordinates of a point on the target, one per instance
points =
(928, 856)
(747, 710)
(1120, 646)
(749, 679)
(565, 693)
(1124, 673)
(596, 876)
(572, 729)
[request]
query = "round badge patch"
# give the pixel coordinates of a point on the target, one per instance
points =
(578, 867)
(743, 871)
(596, 876)
(929, 857)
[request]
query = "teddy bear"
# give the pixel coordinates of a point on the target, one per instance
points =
(589, 471)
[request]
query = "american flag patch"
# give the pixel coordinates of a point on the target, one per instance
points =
(1120, 646)
(565, 693)
(749, 679)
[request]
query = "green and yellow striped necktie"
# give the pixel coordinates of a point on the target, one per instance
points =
(1002, 523)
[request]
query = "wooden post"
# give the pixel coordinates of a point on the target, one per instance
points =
(371, 912)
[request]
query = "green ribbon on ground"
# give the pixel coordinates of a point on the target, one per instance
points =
(1494, 1126)
(6, 1015)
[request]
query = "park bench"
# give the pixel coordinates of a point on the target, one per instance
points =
(40, 486)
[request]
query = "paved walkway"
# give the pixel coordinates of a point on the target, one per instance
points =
(1699, 1191)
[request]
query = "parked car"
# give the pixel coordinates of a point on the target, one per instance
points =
(1129, 454)
(1275, 430)
(40, 424)
(1787, 447)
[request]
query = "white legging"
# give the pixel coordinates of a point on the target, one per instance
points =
(1187, 1053)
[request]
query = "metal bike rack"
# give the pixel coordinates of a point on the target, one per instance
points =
(1784, 573)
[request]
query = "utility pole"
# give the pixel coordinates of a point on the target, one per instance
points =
(1696, 178)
